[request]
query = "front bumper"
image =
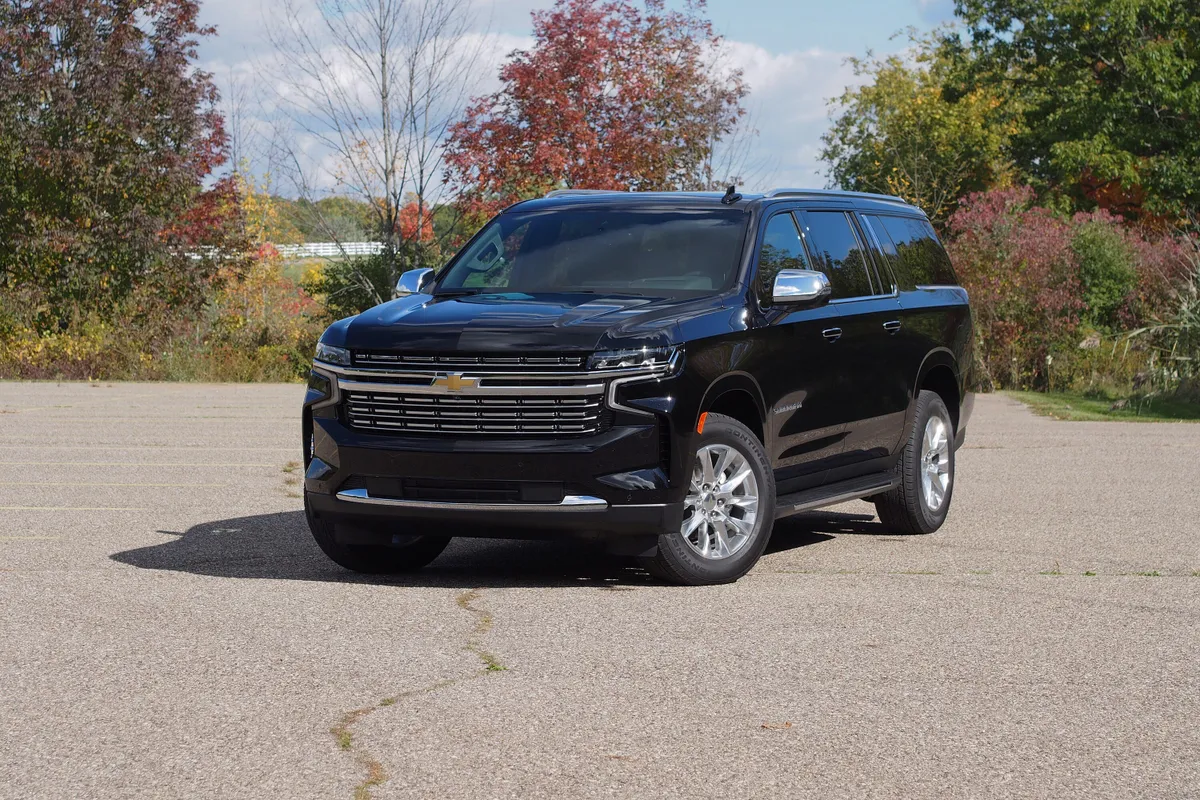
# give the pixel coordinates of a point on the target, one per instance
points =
(615, 483)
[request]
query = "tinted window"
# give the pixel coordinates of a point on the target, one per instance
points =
(781, 249)
(660, 253)
(838, 253)
(918, 258)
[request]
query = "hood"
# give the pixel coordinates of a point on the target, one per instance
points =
(522, 322)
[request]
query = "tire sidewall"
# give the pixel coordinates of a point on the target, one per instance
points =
(719, 429)
(931, 405)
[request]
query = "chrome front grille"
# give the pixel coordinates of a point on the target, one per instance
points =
(447, 413)
(458, 361)
(482, 394)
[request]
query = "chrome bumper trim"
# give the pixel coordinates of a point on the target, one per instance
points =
(569, 503)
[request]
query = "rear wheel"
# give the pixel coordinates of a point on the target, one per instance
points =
(729, 510)
(926, 471)
(408, 555)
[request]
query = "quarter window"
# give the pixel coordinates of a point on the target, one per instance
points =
(917, 257)
(782, 248)
(838, 253)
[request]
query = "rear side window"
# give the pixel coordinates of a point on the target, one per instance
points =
(916, 255)
(781, 249)
(838, 253)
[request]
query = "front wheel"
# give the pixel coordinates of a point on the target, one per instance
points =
(415, 553)
(729, 510)
(926, 471)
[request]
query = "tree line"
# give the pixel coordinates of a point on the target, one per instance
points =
(1054, 144)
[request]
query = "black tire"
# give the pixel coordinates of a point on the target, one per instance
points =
(375, 559)
(904, 509)
(676, 561)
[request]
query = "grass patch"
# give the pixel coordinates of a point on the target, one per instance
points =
(1080, 408)
(1151, 574)
(1089, 574)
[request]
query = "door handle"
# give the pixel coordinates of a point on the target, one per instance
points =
(893, 326)
(832, 334)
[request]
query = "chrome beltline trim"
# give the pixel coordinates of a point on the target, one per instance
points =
(569, 503)
(473, 391)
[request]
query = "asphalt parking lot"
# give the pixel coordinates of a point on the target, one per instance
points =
(169, 629)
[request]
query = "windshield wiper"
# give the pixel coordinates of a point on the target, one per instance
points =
(456, 292)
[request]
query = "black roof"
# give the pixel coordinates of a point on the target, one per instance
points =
(591, 197)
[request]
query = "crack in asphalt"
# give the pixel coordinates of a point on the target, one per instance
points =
(343, 733)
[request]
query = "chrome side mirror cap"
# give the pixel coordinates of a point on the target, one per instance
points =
(801, 287)
(413, 282)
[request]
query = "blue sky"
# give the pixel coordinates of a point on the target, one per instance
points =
(850, 25)
(793, 54)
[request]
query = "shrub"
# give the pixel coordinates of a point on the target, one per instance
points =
(262, 327)
(351, 285)
(1017, 263)
(1106, 271)
(1041, 284)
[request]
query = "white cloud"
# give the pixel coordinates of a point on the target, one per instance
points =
(789, 94)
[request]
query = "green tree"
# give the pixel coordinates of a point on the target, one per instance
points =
(1111, 93)
(107, 133)
(902, 133)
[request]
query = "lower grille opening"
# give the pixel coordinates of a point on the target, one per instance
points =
(450, 490)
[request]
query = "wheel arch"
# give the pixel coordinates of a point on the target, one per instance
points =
(736, 395)
(940, 373)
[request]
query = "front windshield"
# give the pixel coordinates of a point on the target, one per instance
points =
(671, 253)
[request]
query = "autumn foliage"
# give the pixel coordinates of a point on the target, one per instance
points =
(107, 134)
(612, 95)
(1042, 283)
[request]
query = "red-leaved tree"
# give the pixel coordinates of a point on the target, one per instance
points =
(612, 95)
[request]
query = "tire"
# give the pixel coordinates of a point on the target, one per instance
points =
(679, 558)
(374, 559)
(911, 506)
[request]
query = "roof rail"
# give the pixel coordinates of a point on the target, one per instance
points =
(891, 198)
(568, 192)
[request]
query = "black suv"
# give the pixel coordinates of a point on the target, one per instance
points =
(672, 372)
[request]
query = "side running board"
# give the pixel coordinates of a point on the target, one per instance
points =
(834, 493)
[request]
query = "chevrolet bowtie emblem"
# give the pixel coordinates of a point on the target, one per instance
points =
(455, 382)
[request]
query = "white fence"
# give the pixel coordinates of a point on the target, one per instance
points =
(328, 249)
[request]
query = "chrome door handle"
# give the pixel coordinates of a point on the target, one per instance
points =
(832, 334)
(893, 326)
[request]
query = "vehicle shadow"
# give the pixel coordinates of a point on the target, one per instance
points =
(279, 547)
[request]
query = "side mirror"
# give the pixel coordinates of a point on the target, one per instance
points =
(801, 287)
(413, 281)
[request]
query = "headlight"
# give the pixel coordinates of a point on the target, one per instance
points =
(649, 358)
(333, 355)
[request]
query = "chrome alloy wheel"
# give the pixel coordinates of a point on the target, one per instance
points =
(722, 503)
(935, 463)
